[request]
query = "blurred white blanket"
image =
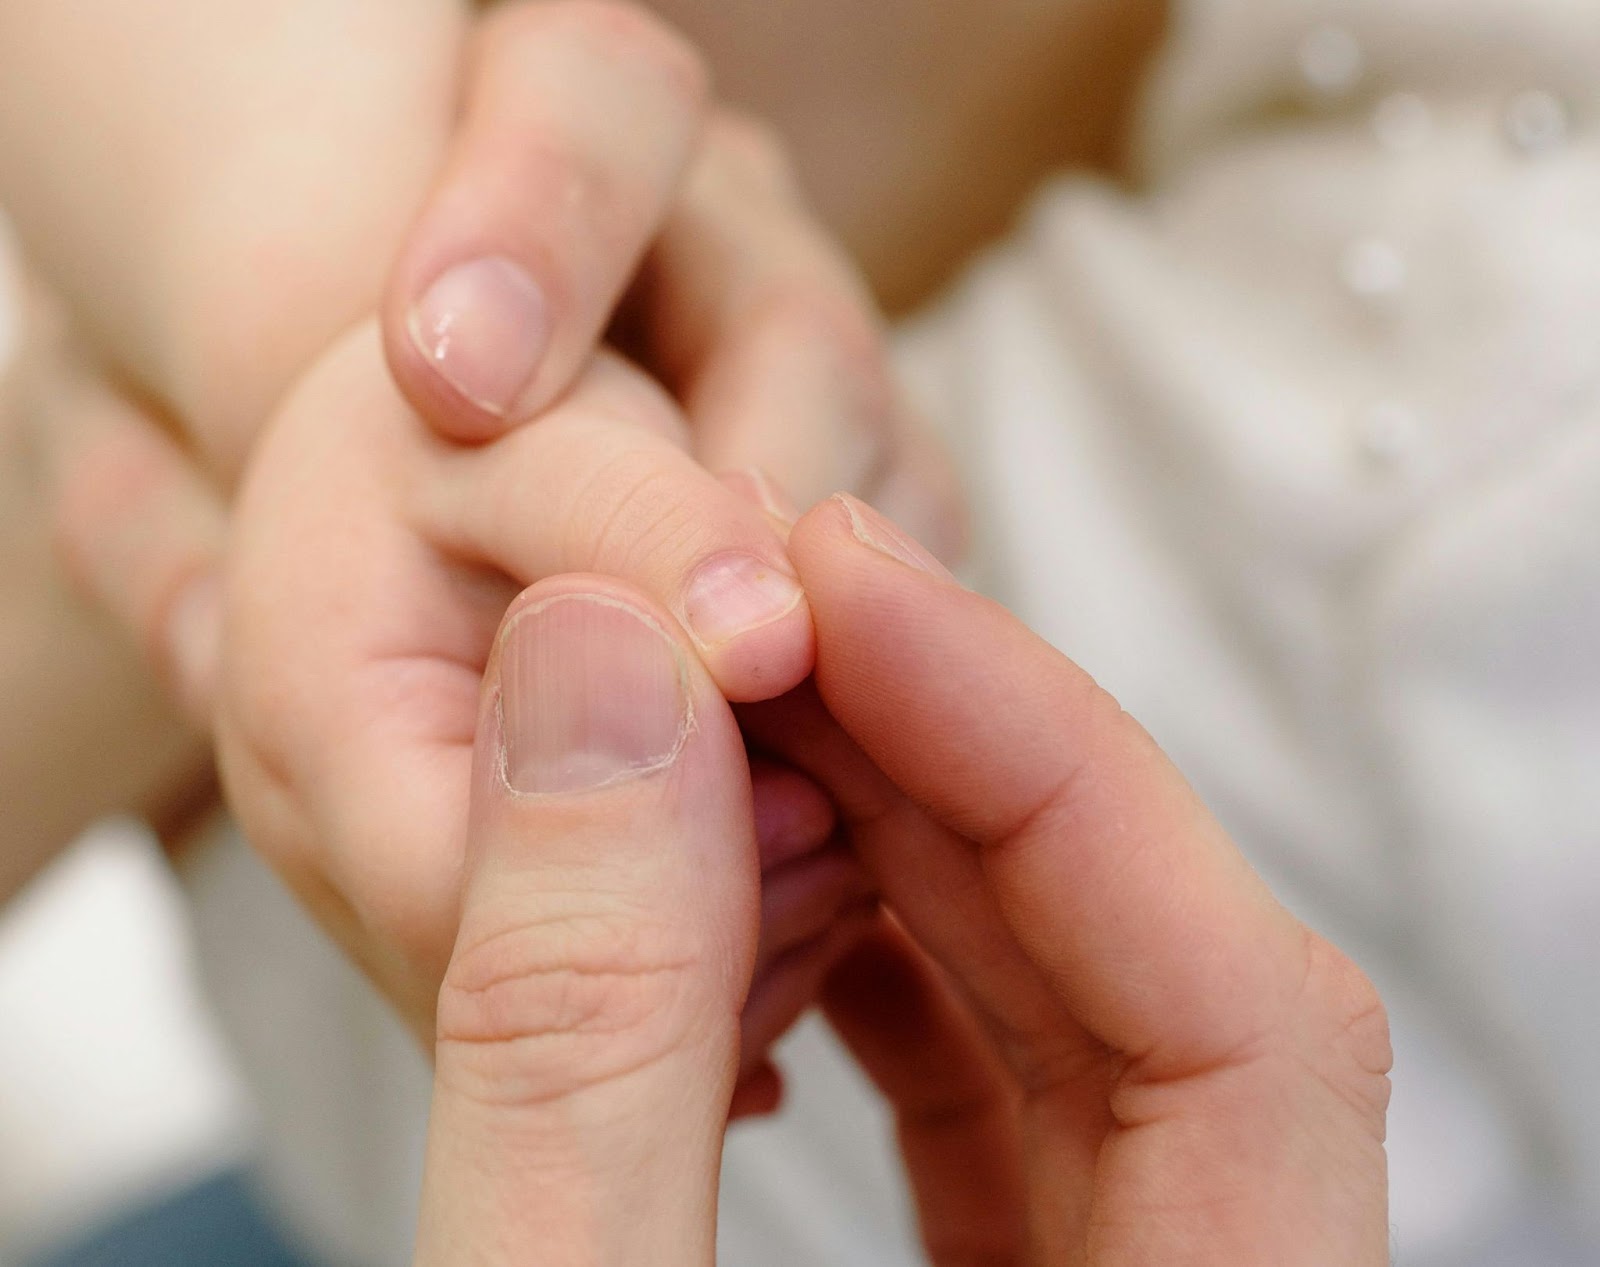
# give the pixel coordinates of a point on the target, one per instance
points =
(1298, 450)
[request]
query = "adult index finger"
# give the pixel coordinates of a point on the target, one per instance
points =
(579, 120)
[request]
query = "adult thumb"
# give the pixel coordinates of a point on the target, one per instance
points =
(588, 1023)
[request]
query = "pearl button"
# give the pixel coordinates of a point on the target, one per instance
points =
(1402, 122)
(1373, 268)
(1536, 121)
(1331, 60)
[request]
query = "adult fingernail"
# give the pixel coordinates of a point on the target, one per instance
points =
(592, 692)
(874, 530)
(484, 325)
(733, 593)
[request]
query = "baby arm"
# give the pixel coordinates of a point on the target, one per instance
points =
(773, 330)
(186, 177)
(369, 566)
(207, 272)
(220, 191)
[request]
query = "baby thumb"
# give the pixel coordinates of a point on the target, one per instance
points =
(588, 1025)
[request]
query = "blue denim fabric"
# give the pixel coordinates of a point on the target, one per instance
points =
(216, 1223)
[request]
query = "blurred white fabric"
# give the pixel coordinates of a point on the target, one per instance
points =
(114, 1086)
(1298, 450)
(343, 1085)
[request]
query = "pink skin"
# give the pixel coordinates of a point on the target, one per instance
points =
(816, 903)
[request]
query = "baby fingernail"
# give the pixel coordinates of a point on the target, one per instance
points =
(733, 593)
(592, 692)
(874, 530)
(484, 325)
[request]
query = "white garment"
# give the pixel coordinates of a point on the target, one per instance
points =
(1298, 450)
(114, 1090)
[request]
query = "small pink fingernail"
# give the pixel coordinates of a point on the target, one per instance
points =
(878, 532)
(731, 594)
(485, 326)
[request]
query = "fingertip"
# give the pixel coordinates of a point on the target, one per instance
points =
(642, 40)
(793, 816)
(480, 328)
(751, 622)
(193, 643)
(803, 897)
(857, 564)
(140, 531)
(431, 352)
(825, 527)
(765, 662)
(876, 531)
(536, 223)
(736, 593)
(759, 1094)
(748, 613)
(789, 982)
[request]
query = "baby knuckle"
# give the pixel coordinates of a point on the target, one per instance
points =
(633, 511)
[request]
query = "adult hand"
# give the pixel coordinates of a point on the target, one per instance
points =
(589, 171)
(745, 309)
(588, 1026)
(1105, 1039)
(562, 143)
(369, 567)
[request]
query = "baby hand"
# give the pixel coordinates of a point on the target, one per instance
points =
(369, 568)
(590, 186)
